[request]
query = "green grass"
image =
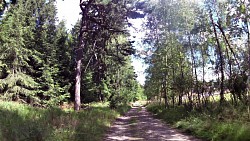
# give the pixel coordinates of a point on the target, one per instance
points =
(20, 122)
(217, 125)
(216, 98)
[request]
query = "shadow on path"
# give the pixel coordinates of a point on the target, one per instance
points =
(138, 124)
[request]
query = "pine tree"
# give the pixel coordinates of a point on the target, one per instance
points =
(100, 22)
(31, 50)
(51, 44)
(16, 38)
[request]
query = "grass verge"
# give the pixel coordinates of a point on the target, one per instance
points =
(20, 122)
(226, 125)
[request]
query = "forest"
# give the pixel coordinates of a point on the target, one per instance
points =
(72, 84)
(199, 70)
(39, 56)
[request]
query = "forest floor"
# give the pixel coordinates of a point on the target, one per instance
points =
(139, 124)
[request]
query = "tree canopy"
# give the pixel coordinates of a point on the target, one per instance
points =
(38, 56)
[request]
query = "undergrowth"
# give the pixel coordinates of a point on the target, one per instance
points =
(20, 122)
(229, 124)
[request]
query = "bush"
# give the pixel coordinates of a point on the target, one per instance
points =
(115, 102)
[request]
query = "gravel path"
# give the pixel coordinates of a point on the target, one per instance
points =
(138, 124)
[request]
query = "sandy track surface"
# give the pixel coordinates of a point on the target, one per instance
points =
(138, 124)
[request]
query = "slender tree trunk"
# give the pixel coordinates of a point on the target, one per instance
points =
(165, 84)
(173, 95)
(190, 97)
(195, 70)
(203, 77)
(165, 91)
(159, 96)
(228, 44)
(182, 90)
(222, 98)
(248, 78)
(231, 80)
(180, 100)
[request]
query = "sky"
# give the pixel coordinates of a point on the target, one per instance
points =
(138, 64)
(69, 10)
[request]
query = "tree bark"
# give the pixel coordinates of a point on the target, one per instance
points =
(222, 98)
(248, 76)
(228, 44)
(195, 70)
(165, 84)
(77, 104)
(182, 90)
(79, 53)
(203, 76)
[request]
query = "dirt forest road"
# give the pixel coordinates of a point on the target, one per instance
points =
(139, 125)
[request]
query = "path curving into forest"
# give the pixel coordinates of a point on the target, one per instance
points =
(139, 124)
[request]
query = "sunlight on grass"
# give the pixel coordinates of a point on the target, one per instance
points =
(22, 122)
(226, 125)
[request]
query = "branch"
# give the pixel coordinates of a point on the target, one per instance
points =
(227, 42)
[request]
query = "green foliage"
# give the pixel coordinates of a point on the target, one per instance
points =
(216, 125)
(170, 115)
(20, 122)
(16, 39)
(32, 68)
(115, 102)
(37, 57)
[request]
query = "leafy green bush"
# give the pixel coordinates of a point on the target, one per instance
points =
(116, 101)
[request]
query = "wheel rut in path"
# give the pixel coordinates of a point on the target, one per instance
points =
(139, 124)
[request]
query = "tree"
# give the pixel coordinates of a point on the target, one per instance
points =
(106, 18)
(30, 54)
(16, 43)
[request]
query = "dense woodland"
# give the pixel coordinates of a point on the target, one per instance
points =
(194, 39)
(39, 56)
(197, 52)
(199, 70)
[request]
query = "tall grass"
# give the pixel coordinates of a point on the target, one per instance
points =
(20, 122)
(229, 124)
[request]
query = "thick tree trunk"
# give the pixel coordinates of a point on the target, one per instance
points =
(77, 104)
(79, 53)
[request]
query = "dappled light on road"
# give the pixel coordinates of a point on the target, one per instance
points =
(138, 124)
